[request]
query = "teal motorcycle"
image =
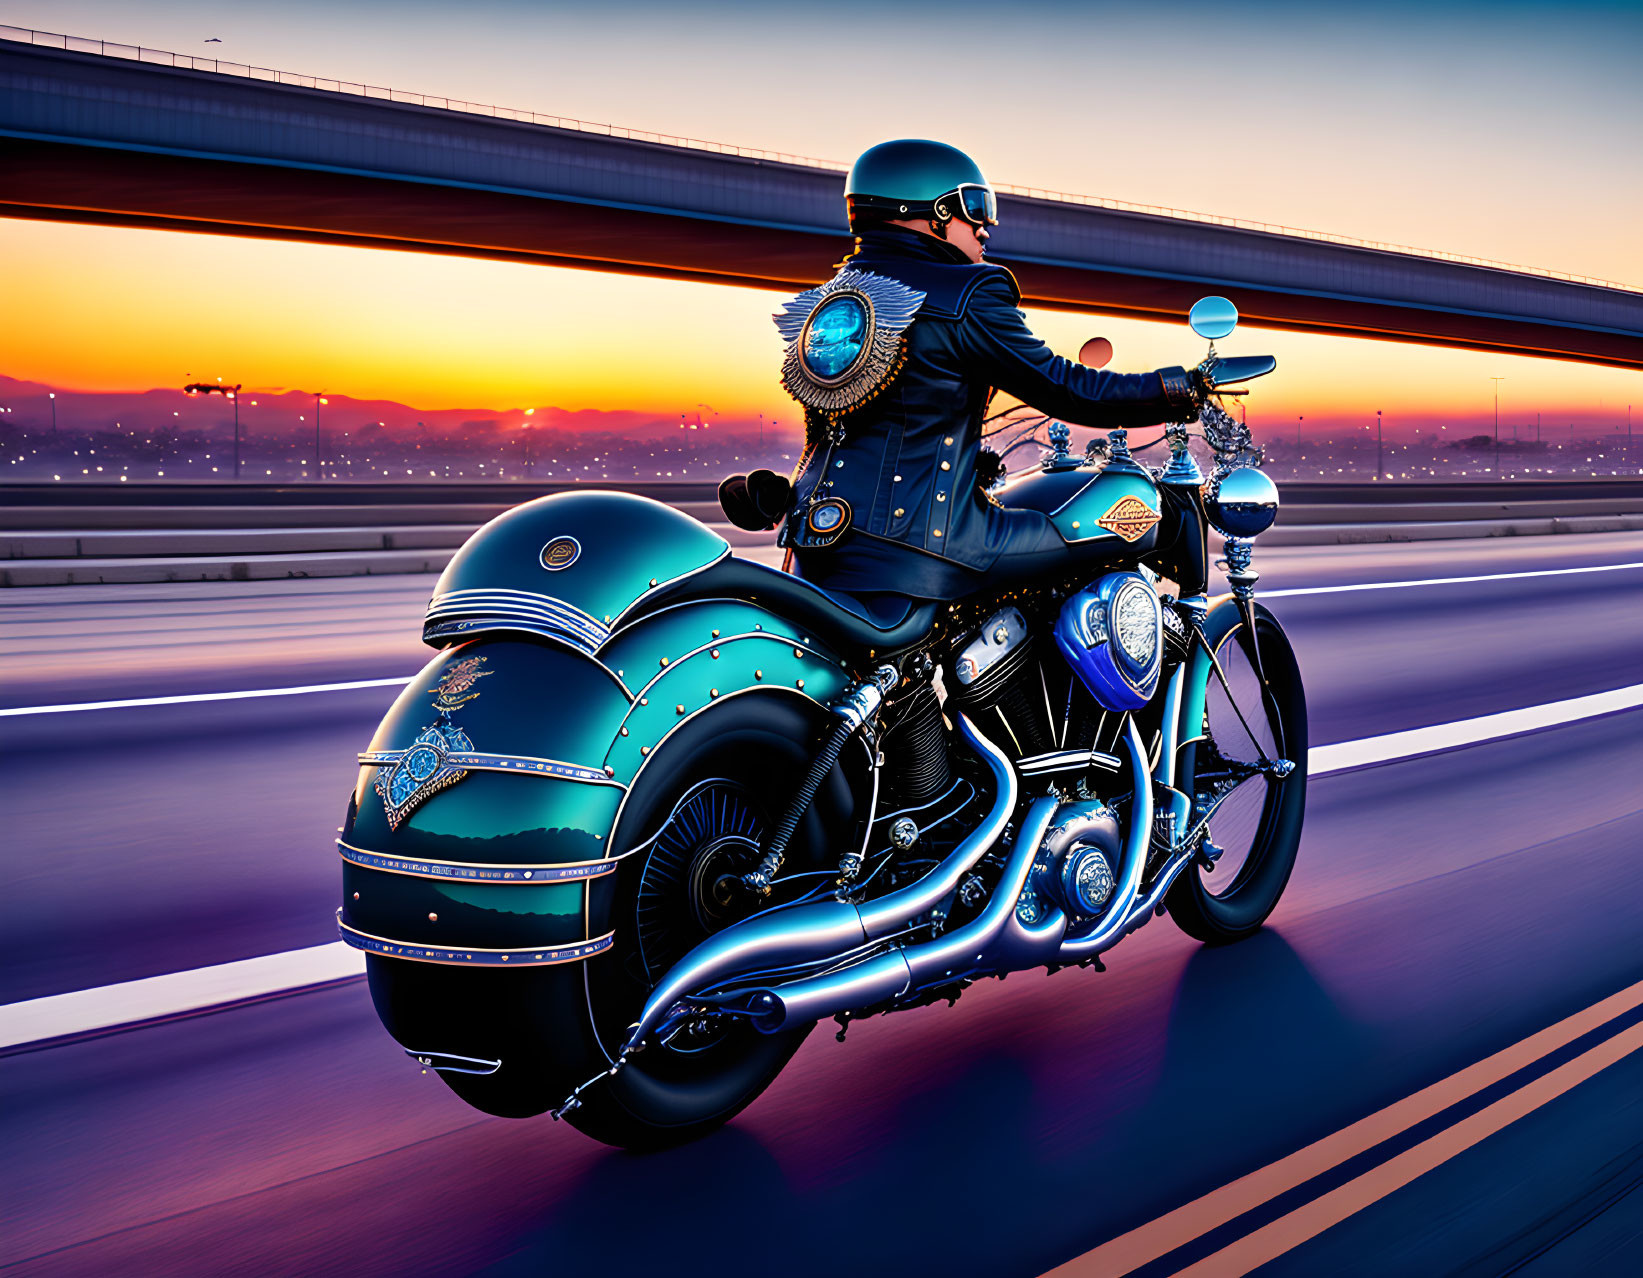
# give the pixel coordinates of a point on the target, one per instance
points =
(654, 811)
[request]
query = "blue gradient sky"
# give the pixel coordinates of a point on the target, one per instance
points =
(1507, 131)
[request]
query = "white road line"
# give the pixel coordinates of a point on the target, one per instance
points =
(1465, 732)
(1443, 581)
(110, 1006)
(188, 697)
(158, 996)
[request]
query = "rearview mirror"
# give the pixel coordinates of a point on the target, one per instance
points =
(1240, 368)
(1096, 353)
(1213, 317)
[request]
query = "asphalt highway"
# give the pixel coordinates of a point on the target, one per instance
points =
(1444, 908)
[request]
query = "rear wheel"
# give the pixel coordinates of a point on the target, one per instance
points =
(1255, 827)
(701, 808)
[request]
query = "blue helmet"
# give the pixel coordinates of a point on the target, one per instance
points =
(916, 178)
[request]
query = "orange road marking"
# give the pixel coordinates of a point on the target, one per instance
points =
(1305, 1223)
(1163, 1235)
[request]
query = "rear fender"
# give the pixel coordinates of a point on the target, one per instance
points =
(492, 859)
(680, 661)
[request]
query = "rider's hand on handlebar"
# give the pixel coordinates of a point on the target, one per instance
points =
(1185, 392)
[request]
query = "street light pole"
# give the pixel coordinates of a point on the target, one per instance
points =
(319, 398)
(1497, 381)
(53, 412)
(1378, 467)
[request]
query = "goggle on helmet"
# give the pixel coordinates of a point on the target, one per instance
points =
(914, 177)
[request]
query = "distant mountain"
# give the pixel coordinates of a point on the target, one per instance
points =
(281, 410)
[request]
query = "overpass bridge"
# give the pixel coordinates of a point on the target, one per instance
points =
(114, 135)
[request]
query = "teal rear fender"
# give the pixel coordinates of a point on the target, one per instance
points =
(568, 566)
(480, 820)
(679, 662)
(507, 857)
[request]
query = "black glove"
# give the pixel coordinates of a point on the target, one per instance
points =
(756, 502)
(1184, 392)
(990, 470)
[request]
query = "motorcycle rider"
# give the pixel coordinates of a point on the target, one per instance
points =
(895, 361)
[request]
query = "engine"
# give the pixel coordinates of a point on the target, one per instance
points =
(1041, 691)
(1017, 689)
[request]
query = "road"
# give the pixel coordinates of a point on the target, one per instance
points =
(1444, 908)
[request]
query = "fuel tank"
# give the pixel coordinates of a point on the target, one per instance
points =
(1117, 504)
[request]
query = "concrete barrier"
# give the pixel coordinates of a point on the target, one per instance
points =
(178, 534)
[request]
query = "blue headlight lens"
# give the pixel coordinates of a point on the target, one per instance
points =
(1110, 634)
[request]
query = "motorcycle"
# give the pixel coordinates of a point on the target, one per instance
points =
(654, 811)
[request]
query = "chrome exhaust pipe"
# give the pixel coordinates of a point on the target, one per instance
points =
(1116, 920)
(960, 953)
(997, 940)
(792, 936)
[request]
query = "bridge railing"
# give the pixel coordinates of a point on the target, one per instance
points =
(217, 66)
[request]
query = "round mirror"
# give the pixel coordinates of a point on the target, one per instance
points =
(1097, 352)
(1213, 317)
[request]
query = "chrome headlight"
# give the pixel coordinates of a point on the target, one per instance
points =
(1135, 614)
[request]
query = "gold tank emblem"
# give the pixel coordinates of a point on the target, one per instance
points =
(1129, 517)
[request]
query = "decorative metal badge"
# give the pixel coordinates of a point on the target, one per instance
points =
(426, 768)
(845, 340)
(561, 553)
(819, 524)
(1130, 518)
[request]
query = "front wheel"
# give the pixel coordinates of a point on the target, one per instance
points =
(1254, 829)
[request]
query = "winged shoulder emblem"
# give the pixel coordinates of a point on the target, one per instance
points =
(846, 340)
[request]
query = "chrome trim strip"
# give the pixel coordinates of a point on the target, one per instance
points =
(432, 1061)
(479, 761)
(535, 956)
(524, 601)
(1066, 760)
(464, 610)
(562, 872)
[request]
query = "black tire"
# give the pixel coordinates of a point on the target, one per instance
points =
(761, 744)
(1258, 825)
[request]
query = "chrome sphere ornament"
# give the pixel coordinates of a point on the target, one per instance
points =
(1213, 318)
(1242, 503)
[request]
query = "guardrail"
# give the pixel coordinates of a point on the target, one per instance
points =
(367, 530)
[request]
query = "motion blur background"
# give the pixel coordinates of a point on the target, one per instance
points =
(1501, 131)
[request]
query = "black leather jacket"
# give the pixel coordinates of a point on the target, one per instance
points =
(907, 462)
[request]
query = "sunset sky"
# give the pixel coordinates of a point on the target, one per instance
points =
(1507, 131)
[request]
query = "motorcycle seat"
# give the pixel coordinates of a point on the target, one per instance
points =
(847, 624)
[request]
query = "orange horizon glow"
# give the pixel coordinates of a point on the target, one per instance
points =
(103, 308)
